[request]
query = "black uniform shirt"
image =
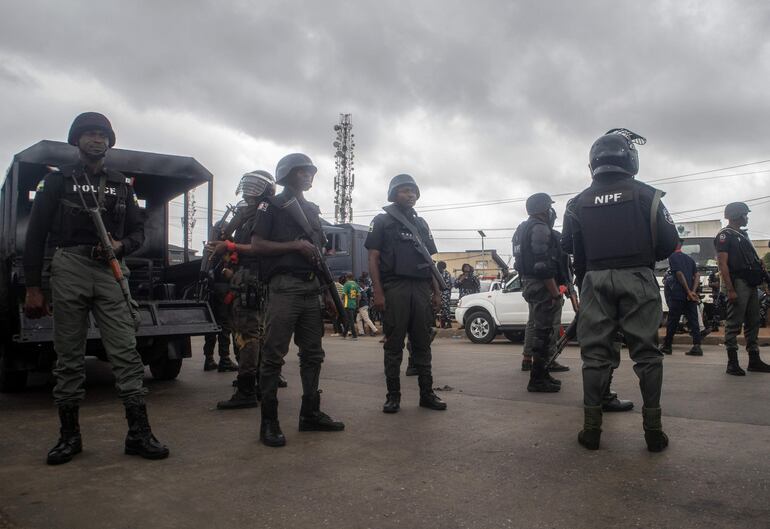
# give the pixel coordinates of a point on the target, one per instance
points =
(741, 256)
(399, 256)
(57, 213)
(273, 224)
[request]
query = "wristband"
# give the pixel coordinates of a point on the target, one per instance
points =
(230, 246)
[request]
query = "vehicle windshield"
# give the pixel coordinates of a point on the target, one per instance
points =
(701, 249)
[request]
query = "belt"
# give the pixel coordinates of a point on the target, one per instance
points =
(83, 250)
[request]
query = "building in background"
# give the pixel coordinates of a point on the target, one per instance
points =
(487, 264)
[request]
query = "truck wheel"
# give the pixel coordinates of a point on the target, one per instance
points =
(480, 328)
(514, 336)
(166, 368)
(11, 380)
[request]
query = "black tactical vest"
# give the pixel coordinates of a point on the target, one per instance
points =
(400, 256)
(616, 233)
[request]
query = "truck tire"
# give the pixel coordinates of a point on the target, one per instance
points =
(514, 336)
(480, 327)
(165, 368)
(11, 380)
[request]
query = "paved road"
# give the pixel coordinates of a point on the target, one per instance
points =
(499, 457)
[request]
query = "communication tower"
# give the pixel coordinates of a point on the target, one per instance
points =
(345, 177)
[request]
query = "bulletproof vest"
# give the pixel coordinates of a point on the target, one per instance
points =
(242, 235)
(526, 256)
(519, 236)
(400, 256)
(616, 233)
(110, 189)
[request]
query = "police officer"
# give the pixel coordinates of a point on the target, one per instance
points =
(405, 291)
(289, 264)
(619, 229)
(246, 303)
(82, 282)
(536, 249)
(221, 311)
(742, 271)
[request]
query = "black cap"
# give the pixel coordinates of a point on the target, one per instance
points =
(90, 121)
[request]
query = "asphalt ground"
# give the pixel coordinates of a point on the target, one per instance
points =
(499, 457)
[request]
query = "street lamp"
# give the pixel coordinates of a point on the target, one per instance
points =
(483, 236)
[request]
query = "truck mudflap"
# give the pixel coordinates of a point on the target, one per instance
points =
(159, 318)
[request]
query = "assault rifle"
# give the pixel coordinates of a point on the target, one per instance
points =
(107, 252)
(397, 214)
(242, 213)
(570, 333)
(293, 208)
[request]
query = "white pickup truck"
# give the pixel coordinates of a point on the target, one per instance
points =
(487, 314)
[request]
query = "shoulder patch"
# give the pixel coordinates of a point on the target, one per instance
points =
(371, 226)
(667, 215)
(263, 206)
(40, 186)
(722, 237)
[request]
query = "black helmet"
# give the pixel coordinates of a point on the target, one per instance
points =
(290, 162)
(539, 203)
(398, 181)
(256, 183)
(89, 121)
(736, 210)
(615, 153)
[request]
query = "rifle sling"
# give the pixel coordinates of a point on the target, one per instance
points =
(394, 212)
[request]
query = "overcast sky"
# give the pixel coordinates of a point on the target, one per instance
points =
(480, 101)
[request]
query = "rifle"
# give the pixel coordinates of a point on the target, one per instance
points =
(205, 276)
(108, 252)
(397, 214)
(570, 333)
(293, 208)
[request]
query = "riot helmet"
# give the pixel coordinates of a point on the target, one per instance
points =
(539, 203)
(289, 163)
(615, 153)
(736, 210)
(89, 121)
(398, 181)
(256, 184)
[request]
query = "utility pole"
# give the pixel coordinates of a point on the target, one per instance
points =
(345, 177)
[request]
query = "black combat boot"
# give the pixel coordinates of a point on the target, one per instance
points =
(411, 371)
(209, 364)
(733, 368)
(282, 382)
(657, 441)
(428, 399)
(666, 349)
(139, 440)
(393, 398)
(269, 429)
(556, 367)
(539, 381)
(70, 442)
(695, 350)
(756, 364)
(591, 433)
(615, 404)
(312, 419)
(245, 395)
(225, 364)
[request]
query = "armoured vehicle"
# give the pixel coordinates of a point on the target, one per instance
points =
(345, 251)
(160, 287)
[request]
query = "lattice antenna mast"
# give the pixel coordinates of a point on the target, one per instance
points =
(188, 220)
(345, 177)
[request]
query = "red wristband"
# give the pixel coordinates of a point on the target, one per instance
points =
(230, 246)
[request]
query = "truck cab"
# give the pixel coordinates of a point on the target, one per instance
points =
(160, 287)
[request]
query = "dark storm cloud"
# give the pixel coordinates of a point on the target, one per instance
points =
(504, 93)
